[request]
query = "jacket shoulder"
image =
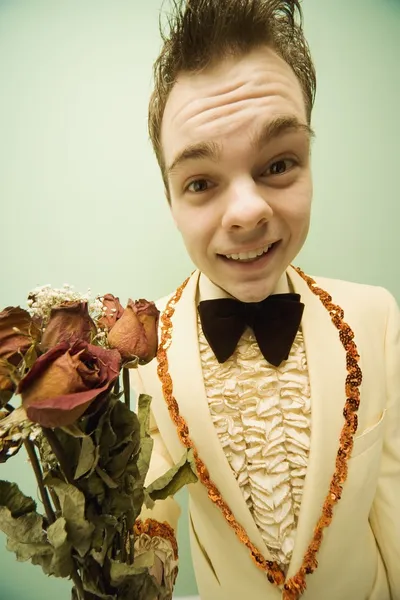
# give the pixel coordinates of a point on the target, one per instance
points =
(349, 291)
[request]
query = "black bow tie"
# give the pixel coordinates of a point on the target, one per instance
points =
(275, 322)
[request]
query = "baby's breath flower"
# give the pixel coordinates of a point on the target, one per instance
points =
(43, 298)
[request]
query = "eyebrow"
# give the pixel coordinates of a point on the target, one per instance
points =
(209, 150)
(278, 127)
(271, 130)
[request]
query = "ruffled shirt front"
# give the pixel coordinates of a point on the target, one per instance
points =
(262, 416)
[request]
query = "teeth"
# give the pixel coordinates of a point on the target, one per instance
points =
(249, 255)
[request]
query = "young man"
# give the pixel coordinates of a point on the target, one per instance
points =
(287, 388)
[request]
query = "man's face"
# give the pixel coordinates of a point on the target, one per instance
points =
(237, 153)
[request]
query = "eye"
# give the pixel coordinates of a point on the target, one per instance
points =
(280, 167)
(198, 185)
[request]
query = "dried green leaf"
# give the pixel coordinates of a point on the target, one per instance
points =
(118, 464)
(139, 587)
(107, 527)
(147, 501)
(146, 441)
(27, 528)
(56, 533)
(134, 487)
(93, 579)
(71, 447)
(126, 426)
(119, 504)
(106, 478)
(72, 503)
(119, 572)
(93, 488)
(25, 533)
(88, 458)
(61, 564)
(12, 498)
(104, 434)
(91, 595)
(131, 364)
(38, 554)
(177, 477)
(144, 402)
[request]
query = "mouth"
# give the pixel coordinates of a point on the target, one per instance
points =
(254, 256)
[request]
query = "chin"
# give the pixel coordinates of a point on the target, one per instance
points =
(251, 295)
(254, 297)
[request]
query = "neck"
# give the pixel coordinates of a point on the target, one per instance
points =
(208, 290)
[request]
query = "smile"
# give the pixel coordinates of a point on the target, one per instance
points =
(249, 256)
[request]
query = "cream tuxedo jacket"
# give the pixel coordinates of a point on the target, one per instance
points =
(359, 558)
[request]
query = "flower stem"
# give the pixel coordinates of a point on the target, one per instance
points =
(78, 583)
(56, 501)
(58, 453)
(39, 478)
(127, 390)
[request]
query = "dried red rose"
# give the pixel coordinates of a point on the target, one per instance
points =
(63, 383)
(135, 334)
(69, 322)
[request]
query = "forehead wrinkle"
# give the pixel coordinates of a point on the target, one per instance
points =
(217, 109)
(231, 100)
(234, 87)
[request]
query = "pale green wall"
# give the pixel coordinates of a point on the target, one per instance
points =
(81, 198)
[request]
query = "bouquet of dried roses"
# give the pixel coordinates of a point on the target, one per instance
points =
(65, 398)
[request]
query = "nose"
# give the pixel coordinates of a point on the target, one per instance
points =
(246, 208)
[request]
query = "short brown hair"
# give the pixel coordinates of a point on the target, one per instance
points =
(201, 32)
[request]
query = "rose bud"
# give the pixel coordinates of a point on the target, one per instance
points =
(17, 334)
(69, 322)
(63, 383)
(135, 333)
(114, 312)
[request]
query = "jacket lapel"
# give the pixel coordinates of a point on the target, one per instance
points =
(326, 359)
(188, 389)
